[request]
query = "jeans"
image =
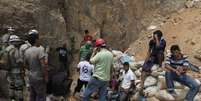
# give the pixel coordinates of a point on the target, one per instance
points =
(94, 85)
(185, 80)
(64, 66)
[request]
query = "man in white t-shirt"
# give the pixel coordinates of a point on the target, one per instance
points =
(128, 82)
(86, 69)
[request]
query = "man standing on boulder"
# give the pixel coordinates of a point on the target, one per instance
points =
(103, 60)
(176, 66)
(155, 55)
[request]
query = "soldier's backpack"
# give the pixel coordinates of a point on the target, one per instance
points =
(4, 57)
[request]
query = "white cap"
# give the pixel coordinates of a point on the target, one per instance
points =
(33, 31)
(14, 38)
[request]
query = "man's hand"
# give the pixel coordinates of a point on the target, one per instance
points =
(178, 73)
(94, 50)
(155, 37)
(181, 69)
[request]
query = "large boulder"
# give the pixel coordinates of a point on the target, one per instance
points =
(151, 91)
(163, 95)
(152, 99)
(150, 81)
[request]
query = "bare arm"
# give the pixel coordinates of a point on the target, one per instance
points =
(172, 69)
(168, 67)
(148, 54)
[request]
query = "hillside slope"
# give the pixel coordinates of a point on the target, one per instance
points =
(182, 27)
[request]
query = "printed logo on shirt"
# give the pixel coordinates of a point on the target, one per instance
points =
(85, 69)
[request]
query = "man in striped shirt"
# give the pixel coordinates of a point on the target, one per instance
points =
(177, 65)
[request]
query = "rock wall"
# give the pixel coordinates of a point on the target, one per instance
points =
(118, 21)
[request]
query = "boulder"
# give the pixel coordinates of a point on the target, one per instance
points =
(155, 68)
(117, 53)
(138, 72)
(136, 65)
(198, 81)
(197, 98)
(152, 27)
(189, 4)
(150, 81)
(181, 93)
(151, 91)
(155, 73)
(163, 95)
(152, 99)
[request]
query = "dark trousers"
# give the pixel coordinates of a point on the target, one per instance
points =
(64, 66)
(80, 84)
(4, 85)
(37, 90)
(148, 64)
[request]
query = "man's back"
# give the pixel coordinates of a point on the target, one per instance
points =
(62, 54)
(84, 50)
(32, 57)
(86, 70)
(103, 61)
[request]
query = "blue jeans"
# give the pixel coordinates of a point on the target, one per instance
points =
(185, 80)
(94, 85)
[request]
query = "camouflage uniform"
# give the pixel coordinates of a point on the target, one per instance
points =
(15, 74)
(4, 89)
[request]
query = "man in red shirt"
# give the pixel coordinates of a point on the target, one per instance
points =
(87, 37)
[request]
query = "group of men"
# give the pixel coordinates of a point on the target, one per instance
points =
(96, 69)
(176, 66)
(25, 62)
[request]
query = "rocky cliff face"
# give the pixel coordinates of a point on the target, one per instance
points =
(118, 21)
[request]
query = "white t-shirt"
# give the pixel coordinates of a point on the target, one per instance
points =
(127, 78)
(86, 70)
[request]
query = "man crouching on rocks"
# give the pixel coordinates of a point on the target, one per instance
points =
(176, 66)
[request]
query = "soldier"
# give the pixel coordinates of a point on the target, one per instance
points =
(3, 66)
(5, 37)
(15, 70)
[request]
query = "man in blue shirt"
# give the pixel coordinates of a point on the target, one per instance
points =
(176, 66)
(155, 55)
